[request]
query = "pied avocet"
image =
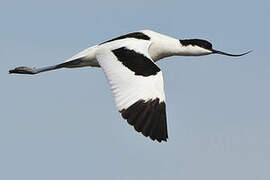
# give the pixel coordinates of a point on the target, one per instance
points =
(136, 81)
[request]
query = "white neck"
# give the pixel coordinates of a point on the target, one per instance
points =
(164, 46)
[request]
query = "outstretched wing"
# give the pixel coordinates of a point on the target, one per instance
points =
(137, 84)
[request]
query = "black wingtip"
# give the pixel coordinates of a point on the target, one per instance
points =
(149, 118)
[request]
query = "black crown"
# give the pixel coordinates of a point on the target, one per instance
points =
(197, 42)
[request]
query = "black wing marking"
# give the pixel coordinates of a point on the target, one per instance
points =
(136, 62)
(136, 35)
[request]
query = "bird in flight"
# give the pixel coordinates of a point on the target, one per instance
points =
(128, 62)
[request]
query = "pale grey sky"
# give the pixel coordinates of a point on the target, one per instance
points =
(64, 124)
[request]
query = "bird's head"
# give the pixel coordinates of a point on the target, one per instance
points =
(199, 47)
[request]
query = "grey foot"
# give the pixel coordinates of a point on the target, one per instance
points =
(23, 70)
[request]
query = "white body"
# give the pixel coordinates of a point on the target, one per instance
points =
(160, 46)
